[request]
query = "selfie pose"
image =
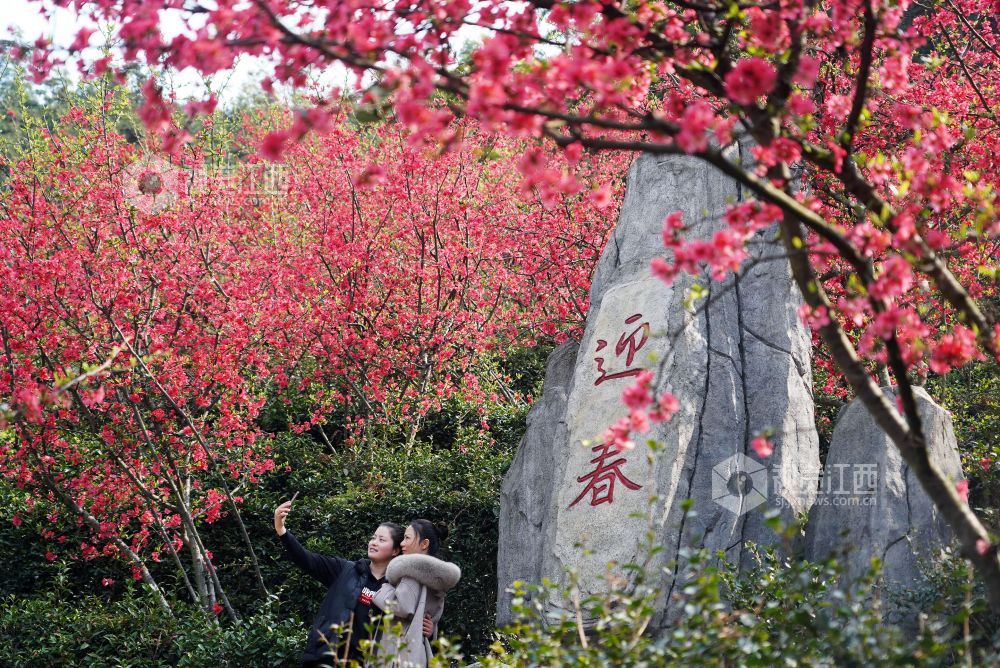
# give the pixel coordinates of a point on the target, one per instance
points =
(351, 585)
(417, 584)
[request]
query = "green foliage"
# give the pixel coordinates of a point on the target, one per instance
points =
(133, 631)
(343, 496)
(793, 608)
(20, 545)
(27, 107)
(782, 611)
(972, 394)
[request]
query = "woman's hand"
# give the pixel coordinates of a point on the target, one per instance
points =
(280, 513)
(428, 626)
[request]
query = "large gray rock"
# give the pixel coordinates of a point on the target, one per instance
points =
(738, 362)
(526, 494)
(871, 505)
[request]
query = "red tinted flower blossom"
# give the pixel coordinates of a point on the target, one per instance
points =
(751, 78)
(762, 446)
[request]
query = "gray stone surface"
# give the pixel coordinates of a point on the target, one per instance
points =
(526, 494)
(737, 366)
(871, 505)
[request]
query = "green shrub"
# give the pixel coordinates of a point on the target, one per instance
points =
(782, 612)
(47, 630)
(345, 496)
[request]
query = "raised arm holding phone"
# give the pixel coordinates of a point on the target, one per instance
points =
(351, 585)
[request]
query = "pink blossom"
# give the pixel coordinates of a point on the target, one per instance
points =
(781, 150)
(727, 252)
(751, 78)
(665, 408)
(93, 398)
(274, 145)
(573, 152)
(893, 74)
(29, 402)
(807, 71)
(768, 29)
(371, 176)
(800, 105)
(907, 115)
(155, 112)
(638, 421)
(672, 224)
(637, 395)
(953, 350)
(962, 487)
(838, 155)
(896, 278)
(750, 216)
(663, 270)
(82, 39)
(814, 318)
(838, 106)
(618, 435)
(724, 130)
(762, 446)
(601, 197)
(982, 547)
(697, 118)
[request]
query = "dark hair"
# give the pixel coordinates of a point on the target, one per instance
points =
(435, 533)
(395, 532)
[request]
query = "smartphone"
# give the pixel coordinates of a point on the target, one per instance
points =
(293, 497)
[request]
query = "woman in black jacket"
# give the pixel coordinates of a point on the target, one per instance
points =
(351, 585)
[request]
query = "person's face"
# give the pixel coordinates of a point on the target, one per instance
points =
(412, 543)
(380, 546)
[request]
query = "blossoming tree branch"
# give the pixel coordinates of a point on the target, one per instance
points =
(874, 124)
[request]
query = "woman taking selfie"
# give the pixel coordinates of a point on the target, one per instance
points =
(351, 585)
(418, 582)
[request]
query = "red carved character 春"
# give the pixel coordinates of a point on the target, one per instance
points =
(602, 480)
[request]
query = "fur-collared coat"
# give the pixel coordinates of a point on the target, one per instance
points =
(416, 587)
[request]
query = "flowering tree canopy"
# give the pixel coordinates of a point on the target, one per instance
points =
(874, 121)
(151, 308)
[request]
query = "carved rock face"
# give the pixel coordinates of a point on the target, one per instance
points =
(737, 366)
(527, 487)
(871, 505)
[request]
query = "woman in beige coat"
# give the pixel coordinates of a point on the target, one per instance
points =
(417, 584)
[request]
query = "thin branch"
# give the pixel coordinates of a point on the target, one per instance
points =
(972, 82)
(864, 74)
(989, 47)
(210, 459)
(910, 443)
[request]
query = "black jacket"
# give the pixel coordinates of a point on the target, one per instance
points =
(344, 580)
